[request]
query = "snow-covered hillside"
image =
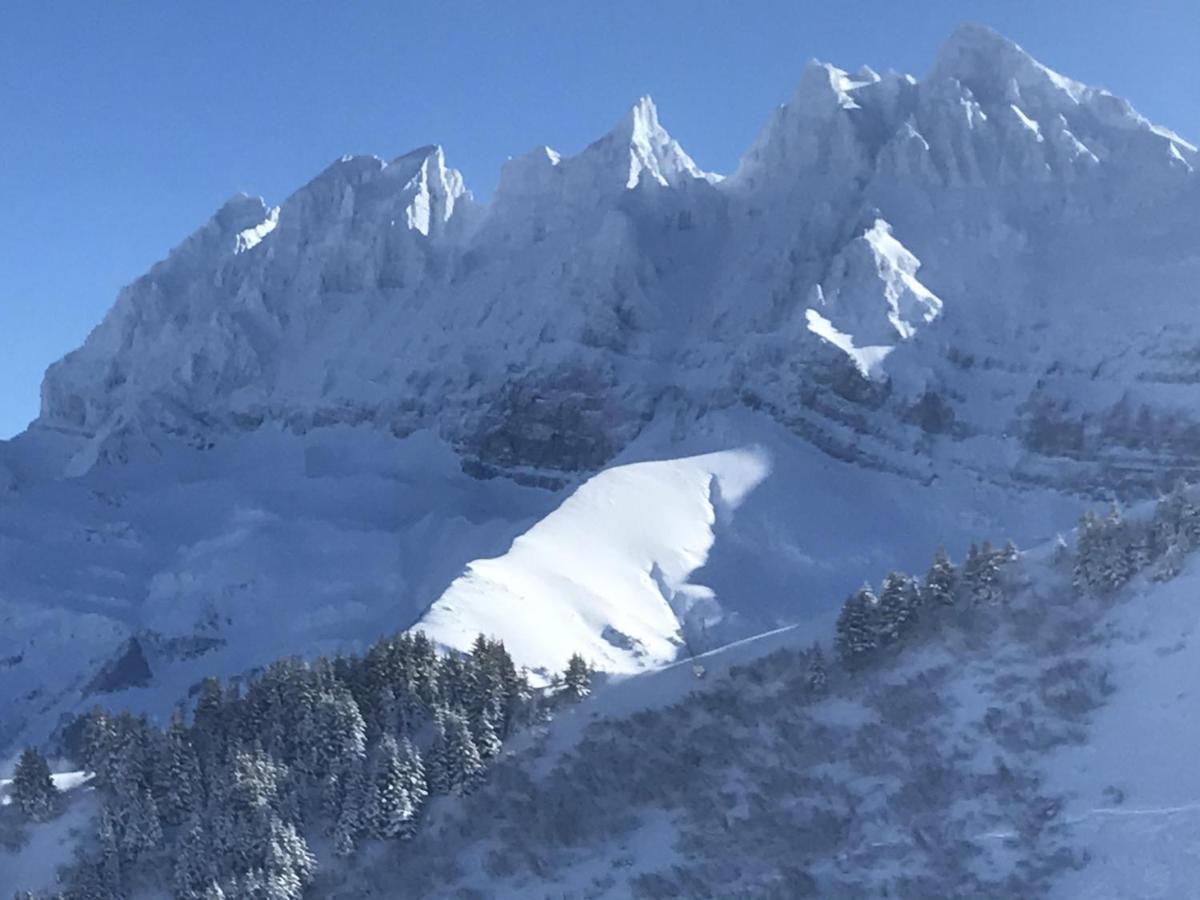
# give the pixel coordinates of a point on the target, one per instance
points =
(627, 407)
(1023, 735)
(1034, 746)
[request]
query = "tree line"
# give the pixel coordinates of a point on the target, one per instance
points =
(1110, 550)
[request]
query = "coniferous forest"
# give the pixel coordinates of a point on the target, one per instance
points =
(344, 750)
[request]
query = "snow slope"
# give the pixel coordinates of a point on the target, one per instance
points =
(1135, 796)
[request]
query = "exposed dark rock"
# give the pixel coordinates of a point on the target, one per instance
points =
(128, 669)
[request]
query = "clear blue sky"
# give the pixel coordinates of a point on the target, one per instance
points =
(124, 125)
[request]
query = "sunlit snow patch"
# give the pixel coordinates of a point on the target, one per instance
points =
(252, 237)
(605, 574)
(868, 360)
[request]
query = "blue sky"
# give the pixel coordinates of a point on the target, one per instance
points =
(124, 125)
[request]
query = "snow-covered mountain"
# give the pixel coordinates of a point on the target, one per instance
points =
(627, 406)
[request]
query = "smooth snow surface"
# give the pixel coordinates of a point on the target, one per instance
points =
(1135, 791)
(605, 574)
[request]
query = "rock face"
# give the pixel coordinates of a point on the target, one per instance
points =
(995, 247)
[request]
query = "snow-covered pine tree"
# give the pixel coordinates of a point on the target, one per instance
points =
(981, 573)
(141, 828)
(423, 666)
(1169, 562)
(857, 636)
(577, 679)
(437, 761)
(391, 810)
(389, 718)
(254, 781)
(1118, 561)
(177, 774)
(516, 691)
(110, 868)
(1089, 548)
(941, 581)
(195, 864)
(99, 745)
(208, 722)
(1176, 520)
(415, 783)
(459, 756)
(897, 612)
(342, 731)
(483, 730)
(288, 865)
(351, 818)
(817, 678)
(33, 789)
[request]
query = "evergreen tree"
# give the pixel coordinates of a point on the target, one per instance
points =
(897, 611)
(99, 745)
(577, 679)
(941, 581)
(33, 789)
(177, 776)
(139, 826)
(1089, 547)
(414, 782)
(289, 866)
(1170, 563)
(1107, 553)
(391, 809)
(438, 769)
(110, 868)
(195, 865)
(981, 573)
(818, 678)
(483, 730)
(857, 636)
(455, 764)
(208, 722)
(352, 815)
(1118, 562)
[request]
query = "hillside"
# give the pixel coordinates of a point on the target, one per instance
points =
(1002, 744)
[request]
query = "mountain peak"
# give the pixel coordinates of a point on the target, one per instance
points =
(641, 122)
(990, 65)
(652, 152)
(824, 88)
